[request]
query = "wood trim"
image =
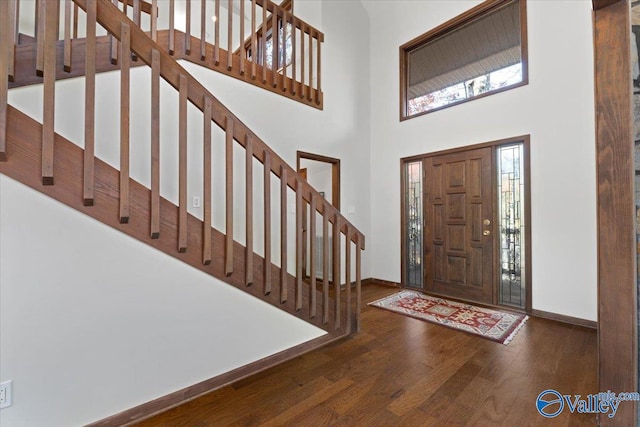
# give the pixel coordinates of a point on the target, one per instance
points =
(373, 281)
(565, 319)
(617, 252)
(451, 25)
(335, 172)
(150, 409)
(536, 313)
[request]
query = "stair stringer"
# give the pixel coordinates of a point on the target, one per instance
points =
(24, 165)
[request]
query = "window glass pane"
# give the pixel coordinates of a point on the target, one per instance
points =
(511, 225)
(483, 54)
(414, 221)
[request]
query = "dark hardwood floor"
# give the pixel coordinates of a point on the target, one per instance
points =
(403, 371)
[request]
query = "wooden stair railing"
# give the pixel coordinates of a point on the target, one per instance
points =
(132, 40)
(275, 50)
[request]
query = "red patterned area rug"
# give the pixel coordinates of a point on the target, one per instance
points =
(494, 325)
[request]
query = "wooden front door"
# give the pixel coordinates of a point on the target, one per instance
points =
(459, 225)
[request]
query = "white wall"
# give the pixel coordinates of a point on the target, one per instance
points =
(94, 322)
(556, 108)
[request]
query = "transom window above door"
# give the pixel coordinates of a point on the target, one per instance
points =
(481, 52)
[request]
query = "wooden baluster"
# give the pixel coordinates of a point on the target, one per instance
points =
(206, 187)
(187, 36)
(283, 22)
(90, 105)
(283, 234)
(254, 48)
(230, 34)
(358, 284)
(67, 36)
(263, 42)
(137, 12)
(249, 211)
(50, 16)
(172, 30)
(40, 35)
(302, 56)
(182, 164)
(76, 9)
(216, 41)
(241, 50)
(310, 87)
(203, 29)
(155, 144)
(312, 255)
(154, 20)
(318, 73)
(4, 86)
(336, 266)
(113, 41)
(294, 55)
(325, 265)
(347, 277)
(299, 244)
(17, 21)
(136, 21)
(125, 94)
(274, 47)
(267, 223)
(228, 253)
(12, 33)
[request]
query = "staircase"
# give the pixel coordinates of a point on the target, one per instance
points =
(35, 155)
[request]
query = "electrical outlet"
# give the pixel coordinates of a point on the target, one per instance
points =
(196, 201)
(5, 394)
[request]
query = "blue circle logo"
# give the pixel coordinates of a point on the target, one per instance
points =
(549, 403)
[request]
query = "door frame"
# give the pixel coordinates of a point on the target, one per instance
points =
(335, 172)
(525, 140)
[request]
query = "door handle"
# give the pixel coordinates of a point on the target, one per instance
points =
(486, 232)
(486, 222)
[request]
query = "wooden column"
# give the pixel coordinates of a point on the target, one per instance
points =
(299, 244)
(155, 144)
(89, 104)
(267, 223)
(248, 257)
(228, 167)
(182, 163)
(50, 17)
(203, 29)
(4, 56)
(172, 30)
(125, 105)
(312, 256)
(206, 185)
(187, 35)
(283, 234)
(617, 295)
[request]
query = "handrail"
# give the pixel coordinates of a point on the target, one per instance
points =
(136, 45)
(109, 17)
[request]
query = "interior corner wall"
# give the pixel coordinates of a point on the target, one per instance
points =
(556, 108)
